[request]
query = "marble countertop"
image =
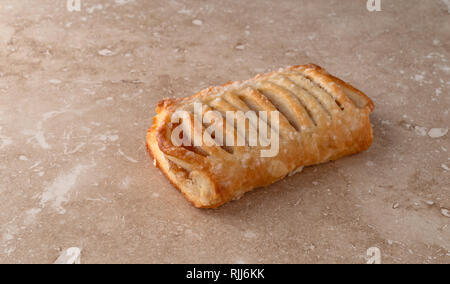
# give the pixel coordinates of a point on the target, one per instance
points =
(78, 90)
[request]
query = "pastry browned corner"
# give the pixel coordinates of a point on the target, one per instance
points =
(321, 118)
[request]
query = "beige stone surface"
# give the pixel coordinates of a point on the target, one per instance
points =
(78, 91)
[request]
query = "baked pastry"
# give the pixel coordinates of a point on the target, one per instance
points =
(320, 119)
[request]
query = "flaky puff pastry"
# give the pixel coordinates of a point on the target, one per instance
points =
(321, 118)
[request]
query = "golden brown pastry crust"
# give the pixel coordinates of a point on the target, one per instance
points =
(322, 119)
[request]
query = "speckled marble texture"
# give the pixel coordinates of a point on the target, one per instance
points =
(78, 91)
